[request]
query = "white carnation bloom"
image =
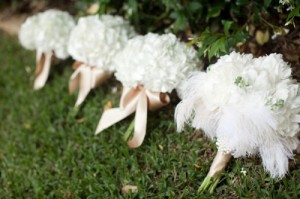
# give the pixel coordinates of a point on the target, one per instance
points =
(250, 105)
(95, 40)
(158, 62)
(47, 31)
(28, 32)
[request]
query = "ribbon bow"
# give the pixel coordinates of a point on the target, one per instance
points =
(43, 63)
(84, 79)
(134, 100)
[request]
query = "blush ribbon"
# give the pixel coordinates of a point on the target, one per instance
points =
(84, 79)
(42, 69)
(137, 100)
(220, 162)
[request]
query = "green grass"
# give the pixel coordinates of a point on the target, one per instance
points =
(46, 152)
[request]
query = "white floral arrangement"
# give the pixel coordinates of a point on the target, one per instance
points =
(96, 40)
(249, 105)
(47, 31)
(158, 62)
(149, 67)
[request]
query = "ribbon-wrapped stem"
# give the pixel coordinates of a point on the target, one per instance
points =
(84, 79)
(42, 69)
(137, 100)
(214, 175)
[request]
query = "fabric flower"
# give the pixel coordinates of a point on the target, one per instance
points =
(250, 105)
(158, 62)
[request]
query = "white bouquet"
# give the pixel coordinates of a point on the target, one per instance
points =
(94, 42)
(249, 105)
(47, 33)
(158, 62)
(148, 67)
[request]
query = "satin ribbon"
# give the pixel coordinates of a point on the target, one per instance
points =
(84, 79)
(76, 64)
(43, 63)
(220, 162)
(137, 100)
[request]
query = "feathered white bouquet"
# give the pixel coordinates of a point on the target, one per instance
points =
(148, 67)
(47, 33)
(94, 42)
(249, 105)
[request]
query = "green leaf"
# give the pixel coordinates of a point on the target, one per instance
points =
(234, 39)
(194, 6)
(294, 13)
(168, 3)
(214, 11)
(223, 45)
(210, 39)
(227, 26)
(180, 21)
(201, 52)
(133, 4)
(174, 15)
(242, 2)
(216, 47)
(267, 3)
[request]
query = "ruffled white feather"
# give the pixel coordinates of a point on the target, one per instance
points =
(47, 31)
(96, 40)
(158, 62)
(250, 105)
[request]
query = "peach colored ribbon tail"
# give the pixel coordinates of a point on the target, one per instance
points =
(81, 80)
(157, 100)
(74, 79)
(84, 79)
(43, 63)
(99, 76)
(220, 162)
(147, 99)
(140, 123)
(128, 104)
(138, 99)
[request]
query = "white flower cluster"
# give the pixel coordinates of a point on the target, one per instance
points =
(47, 31)
(250, 105)
(287, 3)
(95, 40)
(158, 62)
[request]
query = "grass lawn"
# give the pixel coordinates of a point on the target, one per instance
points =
(48, 152)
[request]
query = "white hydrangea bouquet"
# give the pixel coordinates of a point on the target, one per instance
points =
(149, 67)
(250, 106)
(94, 43)
(47, 33)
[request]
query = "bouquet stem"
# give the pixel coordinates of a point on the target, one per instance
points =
(73, 112)
(214, 175)
(129, 131)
